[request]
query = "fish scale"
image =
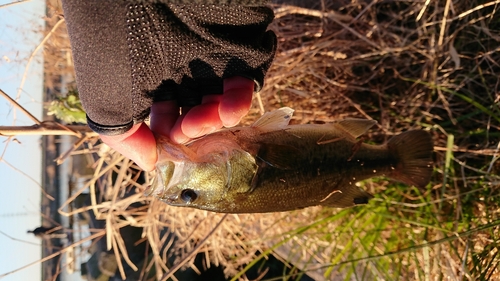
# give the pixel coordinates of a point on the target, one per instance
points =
(325, 176)
(272, 166)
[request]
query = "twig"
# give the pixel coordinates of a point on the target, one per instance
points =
(192, 253)
(62, 251)
(20, 107)
(422, 11)
(284, 10)
(77, 144)
(443, 23)
(13, 3)
(477, 8)
(30, 178)
(330, 15)
(46, 128)
(494, 159)
(15, 239)
(491, 152)
(40, 127)
(261, 105)
(54, 28)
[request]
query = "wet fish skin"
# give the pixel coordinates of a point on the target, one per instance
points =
(271, 166)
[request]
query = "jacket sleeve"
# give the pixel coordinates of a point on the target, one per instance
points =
(128, 55)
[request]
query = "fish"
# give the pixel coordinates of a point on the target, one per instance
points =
(272, 166)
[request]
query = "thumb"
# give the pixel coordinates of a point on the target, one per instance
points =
(138, 144)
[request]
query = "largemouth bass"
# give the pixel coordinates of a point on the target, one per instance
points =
(271, 166)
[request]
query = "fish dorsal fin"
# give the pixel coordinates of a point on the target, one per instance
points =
(274, 120)
(356, 127)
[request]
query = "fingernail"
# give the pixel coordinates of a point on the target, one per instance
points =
(181, 139)
(232, 124)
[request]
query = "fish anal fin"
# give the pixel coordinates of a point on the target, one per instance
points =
(355, 127)
(274, 120)
(348, 197)
(278, 156)
(413, 150)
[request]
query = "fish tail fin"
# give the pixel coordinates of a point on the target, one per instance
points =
(413, 149)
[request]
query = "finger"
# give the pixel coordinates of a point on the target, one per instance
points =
(236, 100)
(138, 144)
(202, 119)
(163, 117)
(176, 134)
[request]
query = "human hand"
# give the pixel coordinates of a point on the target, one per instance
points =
(215, 111)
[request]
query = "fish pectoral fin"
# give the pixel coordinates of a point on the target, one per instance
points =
(274, 120)
(356, 127)
(255, 180)
(278, 156)
(351, 196)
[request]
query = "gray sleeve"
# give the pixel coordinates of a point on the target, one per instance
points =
(128, 55)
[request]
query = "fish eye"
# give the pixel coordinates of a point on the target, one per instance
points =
(188, 195)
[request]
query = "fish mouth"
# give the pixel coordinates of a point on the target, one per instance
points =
(172, 199)
(168, 175)
(162, 194)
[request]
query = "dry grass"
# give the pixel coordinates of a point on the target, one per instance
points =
(425, 64)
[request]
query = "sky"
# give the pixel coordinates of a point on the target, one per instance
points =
(20, 161)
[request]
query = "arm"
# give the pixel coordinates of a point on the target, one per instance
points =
(129, 57)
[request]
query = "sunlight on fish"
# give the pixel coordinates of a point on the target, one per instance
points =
(272, 166)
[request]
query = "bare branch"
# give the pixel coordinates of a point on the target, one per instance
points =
(18, 106)
(13, 3)
(30, 178)
(54, 28)
(47, 128)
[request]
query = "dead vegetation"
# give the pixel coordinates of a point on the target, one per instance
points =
(406, 64)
